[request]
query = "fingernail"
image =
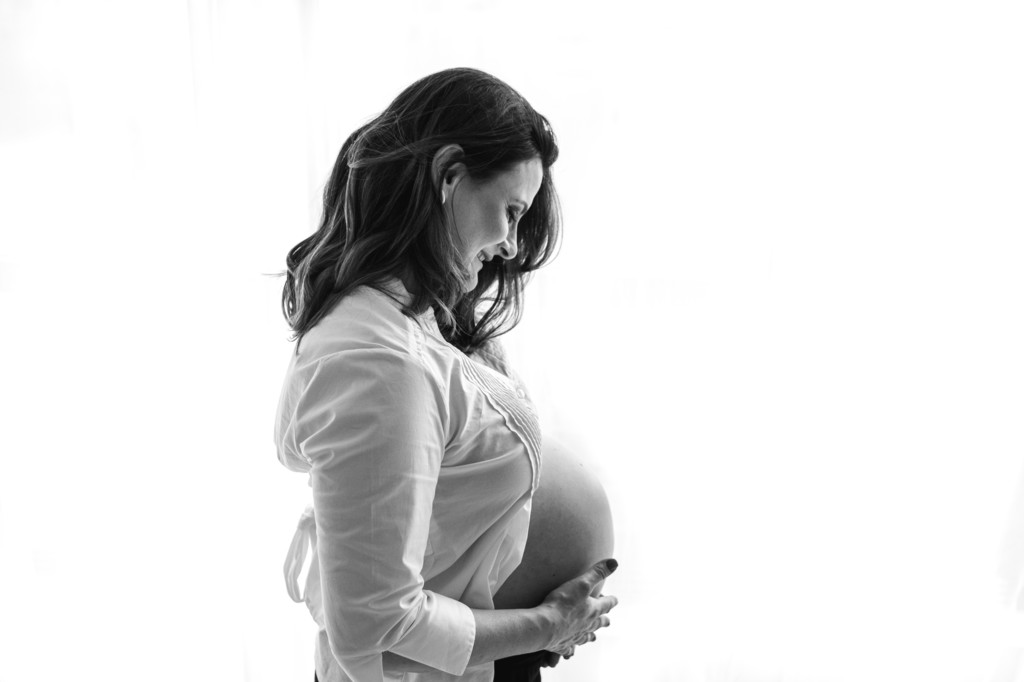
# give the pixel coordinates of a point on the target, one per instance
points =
(612, 564)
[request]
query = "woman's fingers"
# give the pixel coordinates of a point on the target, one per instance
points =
(598, 573)
(580, 613)
(606, 603)
(551, 660)
(598, 623)
(584, 637)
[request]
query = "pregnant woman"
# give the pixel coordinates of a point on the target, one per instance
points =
(421, 446)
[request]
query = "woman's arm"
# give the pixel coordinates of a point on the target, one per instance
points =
(372, 424)
(499, 634)
(568, 615)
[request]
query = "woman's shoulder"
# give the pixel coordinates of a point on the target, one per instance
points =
(364, 319)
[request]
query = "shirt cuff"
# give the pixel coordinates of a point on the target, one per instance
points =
(443, 635)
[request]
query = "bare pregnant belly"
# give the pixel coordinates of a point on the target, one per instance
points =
(570, 529)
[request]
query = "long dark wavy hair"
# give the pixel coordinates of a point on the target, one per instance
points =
(383, 218)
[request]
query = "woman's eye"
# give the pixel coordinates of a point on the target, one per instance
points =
(511, 215)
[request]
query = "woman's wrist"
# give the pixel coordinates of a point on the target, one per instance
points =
(545, 618)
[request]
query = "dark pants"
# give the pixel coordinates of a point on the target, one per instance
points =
(521, 668)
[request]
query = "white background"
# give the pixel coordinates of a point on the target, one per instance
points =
(785, 325)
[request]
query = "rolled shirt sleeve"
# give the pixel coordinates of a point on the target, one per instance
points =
(371, 423)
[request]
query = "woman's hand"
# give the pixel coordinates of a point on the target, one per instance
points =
(551, 660)
(574, 614)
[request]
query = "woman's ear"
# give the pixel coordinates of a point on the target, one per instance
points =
(446, 170)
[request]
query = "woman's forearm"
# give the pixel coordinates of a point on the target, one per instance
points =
(510, 632)
(499, 634)
(568, 616)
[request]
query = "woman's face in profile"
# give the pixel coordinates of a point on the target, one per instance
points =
(485, 214)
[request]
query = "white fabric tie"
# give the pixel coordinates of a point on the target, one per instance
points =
(303, 540)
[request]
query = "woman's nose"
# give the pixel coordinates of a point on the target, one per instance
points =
(509, 248)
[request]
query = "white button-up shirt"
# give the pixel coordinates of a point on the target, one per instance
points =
(423, 463)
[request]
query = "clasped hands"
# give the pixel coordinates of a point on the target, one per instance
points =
(576, 613)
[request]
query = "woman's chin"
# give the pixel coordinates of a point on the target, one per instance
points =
(473, 278)
(570, 530)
